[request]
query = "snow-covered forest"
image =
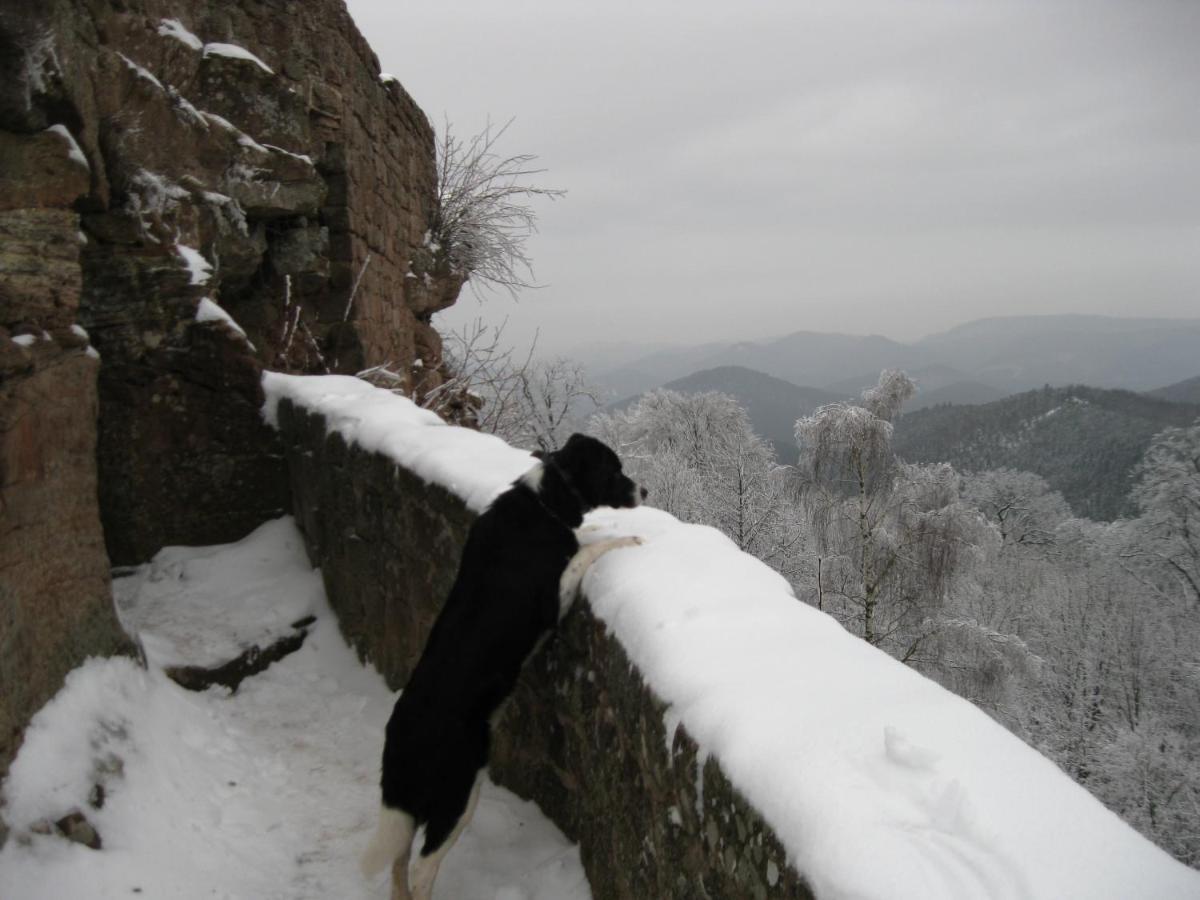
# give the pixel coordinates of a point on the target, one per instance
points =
(1078, 636)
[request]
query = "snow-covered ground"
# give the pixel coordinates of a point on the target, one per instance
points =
(878, 782)
(270, 792)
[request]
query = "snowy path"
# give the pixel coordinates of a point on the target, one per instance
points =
(267, 793)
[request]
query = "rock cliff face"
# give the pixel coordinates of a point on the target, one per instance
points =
(243, 158)
(55, 607)
(198, 190)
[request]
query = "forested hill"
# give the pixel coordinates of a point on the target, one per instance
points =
(1186, 391)
(1084, 441)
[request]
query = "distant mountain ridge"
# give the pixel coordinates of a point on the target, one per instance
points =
(1005, 355)
(1084, 441)
(1186, 391)
(969, 411)
(1107, 352)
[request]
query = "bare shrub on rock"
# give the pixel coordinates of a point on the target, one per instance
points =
(484, 216)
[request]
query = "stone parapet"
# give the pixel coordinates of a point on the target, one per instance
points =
(584, 736)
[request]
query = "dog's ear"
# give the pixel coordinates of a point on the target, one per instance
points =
(538, 454)
(575, 439)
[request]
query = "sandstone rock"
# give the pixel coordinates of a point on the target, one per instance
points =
(301, 249)
(39, 267)
(303, 186)
(55, 601)
(302, 181)
(37, 170)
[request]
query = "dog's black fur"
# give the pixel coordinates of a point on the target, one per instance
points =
(505, 598)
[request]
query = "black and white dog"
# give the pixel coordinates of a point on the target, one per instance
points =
(520, 572)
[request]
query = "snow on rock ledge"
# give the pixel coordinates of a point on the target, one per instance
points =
(876, 782)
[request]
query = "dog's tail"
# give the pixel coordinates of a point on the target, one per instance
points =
(392, 841)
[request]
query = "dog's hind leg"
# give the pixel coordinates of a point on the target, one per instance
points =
(426, 867)
(392, 844)
(572, 576)
(400, 889)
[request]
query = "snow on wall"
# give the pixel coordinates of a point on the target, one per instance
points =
(471, 465)
(878, 782)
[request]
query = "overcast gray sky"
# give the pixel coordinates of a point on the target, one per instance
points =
(744, 170)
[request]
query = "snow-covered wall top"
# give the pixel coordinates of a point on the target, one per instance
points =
(877, 782)
(471, 465)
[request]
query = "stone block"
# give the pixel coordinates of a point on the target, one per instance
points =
(39, 266)
(43, 170)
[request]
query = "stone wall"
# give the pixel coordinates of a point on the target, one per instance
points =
(584, 737)
(381, 536)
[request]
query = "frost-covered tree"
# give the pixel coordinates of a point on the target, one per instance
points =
(668, 440)
(1108, 687)
(1149, 777)
(701, 460)
(1168, 496)
(1021, 505)
(891, 539)
(744, 483)
(694, 426)
(849, 447)
(553, 401)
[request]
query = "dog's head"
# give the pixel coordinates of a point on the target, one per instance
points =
(593, 471)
